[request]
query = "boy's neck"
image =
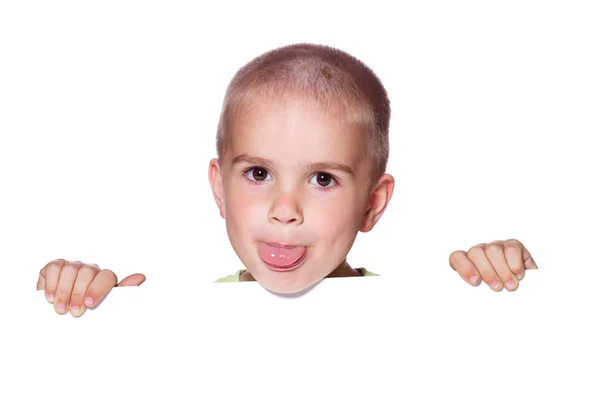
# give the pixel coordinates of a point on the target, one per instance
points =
(342, 271)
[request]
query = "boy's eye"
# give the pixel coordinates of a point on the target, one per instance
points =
(257, 174)
(323, 179)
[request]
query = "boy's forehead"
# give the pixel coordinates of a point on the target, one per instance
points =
(295, 129)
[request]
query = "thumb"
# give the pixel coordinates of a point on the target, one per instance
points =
(132, 280)
(528, 261)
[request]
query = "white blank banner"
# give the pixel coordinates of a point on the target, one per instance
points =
(348, 337)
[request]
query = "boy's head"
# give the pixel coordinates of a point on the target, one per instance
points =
(302, 148)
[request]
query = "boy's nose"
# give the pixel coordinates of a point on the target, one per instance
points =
(286, 210)
(285, 220)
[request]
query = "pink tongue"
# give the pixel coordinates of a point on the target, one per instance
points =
(280, 256)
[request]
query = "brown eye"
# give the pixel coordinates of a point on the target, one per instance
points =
(257, 174)
(324, 179)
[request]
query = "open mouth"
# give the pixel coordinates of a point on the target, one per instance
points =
(281, 257)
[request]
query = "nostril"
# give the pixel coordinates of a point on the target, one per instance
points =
(286, 220)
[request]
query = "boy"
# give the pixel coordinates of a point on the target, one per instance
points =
(302, 148)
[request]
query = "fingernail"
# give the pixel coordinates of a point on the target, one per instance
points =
(75, 308)
(50, 298)
(495, 284)
(510, 284)
(61, 307)
(89, 301)
(521, 275)
(474, 279)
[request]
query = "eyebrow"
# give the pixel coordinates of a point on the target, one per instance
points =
(246, 158)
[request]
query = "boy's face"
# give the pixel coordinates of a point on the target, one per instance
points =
(293, 176)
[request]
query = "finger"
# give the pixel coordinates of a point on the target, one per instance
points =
(465, 268)
(87, 273)
(494, 251)
(488, 274)
(514, 253)
(52, 273)
(133, 280)
(68, 274)
(41, 281)
(104, 281)
(529, 261)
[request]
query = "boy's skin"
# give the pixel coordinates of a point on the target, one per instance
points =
(273, 185)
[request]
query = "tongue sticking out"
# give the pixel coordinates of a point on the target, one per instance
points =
(280, 256)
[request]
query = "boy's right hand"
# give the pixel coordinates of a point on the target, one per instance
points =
(73, 286)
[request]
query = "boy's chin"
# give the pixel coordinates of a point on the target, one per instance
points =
(292, 289)
(285, 283)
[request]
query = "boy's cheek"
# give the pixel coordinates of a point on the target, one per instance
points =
(334, 214)
(244, 193)
(244, 210)
(242, 201)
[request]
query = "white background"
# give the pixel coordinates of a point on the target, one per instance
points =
(108, 114)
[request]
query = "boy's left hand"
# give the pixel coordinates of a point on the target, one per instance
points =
(500, 264)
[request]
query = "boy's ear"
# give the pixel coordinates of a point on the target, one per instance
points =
(215, 177)
(379, 198)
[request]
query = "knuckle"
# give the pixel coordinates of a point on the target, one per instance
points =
(455, 256)
(53, 267)
(75, 264)
(475, 252)
(494, 248)
(512, 246)
(70, 268)
(110, 275)
(89, 269)
(59, 262)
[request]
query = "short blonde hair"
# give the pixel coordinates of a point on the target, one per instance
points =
(334, 78)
